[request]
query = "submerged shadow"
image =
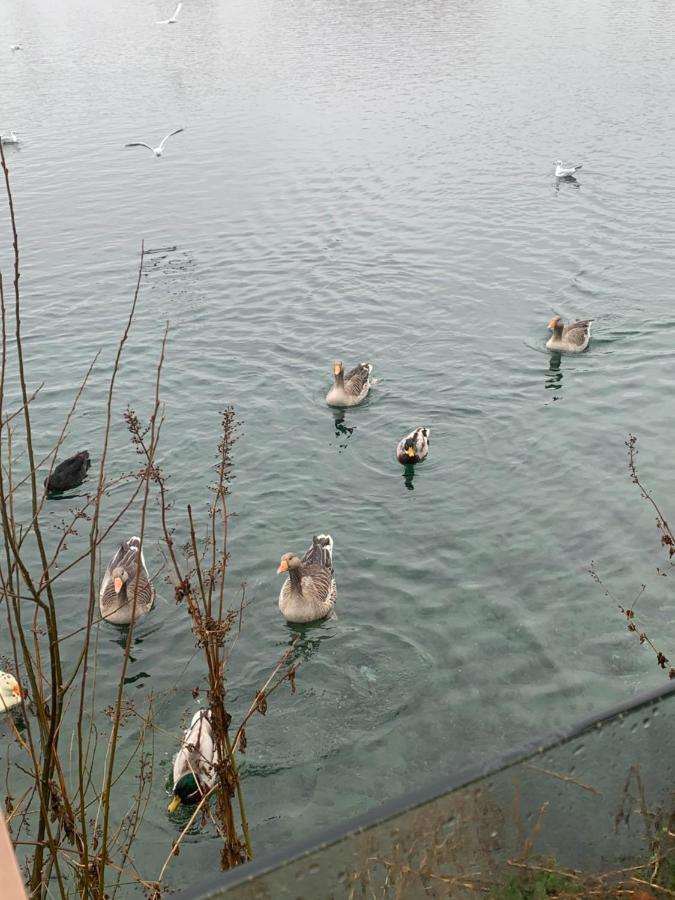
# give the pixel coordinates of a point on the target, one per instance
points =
(554, 376)
(306, 639)
(342, 431)
(408, 475)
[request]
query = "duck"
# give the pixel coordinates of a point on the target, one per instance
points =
(11, 138)
(562, 171)
(414, 448)
(352, 388)
(69, 474)
(10, 692)
(116, 600)
(193, 768)
(309, 592)
(572, 338)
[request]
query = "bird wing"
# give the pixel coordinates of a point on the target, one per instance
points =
(357, 378)
(178, 9)
(577, 331)
(141, 144)
(171, 134)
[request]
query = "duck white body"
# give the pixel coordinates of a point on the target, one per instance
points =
(193, 767)
(10, 692)
(562, 171)
(352, 388)
(414, 447)
(572, 338)
(310, 591)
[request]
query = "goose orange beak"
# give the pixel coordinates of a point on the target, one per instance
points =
(552, 324)
(283, 567)
(117, 583)
(337, 368)
(16, 690)
(173, 806)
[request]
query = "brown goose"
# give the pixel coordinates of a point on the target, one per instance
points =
(116, 600)
(572, 338)
(309, 592)
(349, 389)
(414, 447)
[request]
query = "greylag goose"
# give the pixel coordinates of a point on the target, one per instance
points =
(349, 389)
(116, 600)
(414, 447)
(562, 171)
(10, 692)
(309, 592)
(193, 770)
(572, 338)
(69, 474)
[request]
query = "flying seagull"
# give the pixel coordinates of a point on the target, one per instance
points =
(564, 171)
(156, 150)
(15, 47)
(10, 138)
(172, 20)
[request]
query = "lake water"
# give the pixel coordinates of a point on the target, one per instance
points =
(365, 180)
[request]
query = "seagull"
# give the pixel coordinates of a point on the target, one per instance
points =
(156, 150)
(15, 47)
(564, 171)
(10, 138)
(172, 20)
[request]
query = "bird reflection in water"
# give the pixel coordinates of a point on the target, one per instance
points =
(569, 180)
(306, 638)
(408, 475)
(554, 376)
(342, 430)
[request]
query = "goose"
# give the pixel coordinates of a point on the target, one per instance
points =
(193, 768)
(11, 138)
(69, 474)
(414, 447)
(562, 171)
(10, 692)
(349, 389)
(309, 592)
(572, 338)
(172, 20)
(116, 600)
(156, 150)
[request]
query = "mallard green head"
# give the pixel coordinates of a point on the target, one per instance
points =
(186, 790)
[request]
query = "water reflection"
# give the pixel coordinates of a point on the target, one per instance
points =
(566, 179)
(342, 431)
(408, 475)
(306, 639)
(553, 380)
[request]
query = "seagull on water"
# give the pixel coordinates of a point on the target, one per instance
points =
(15, 47)
(10, 138)
(156, 150)
(562, 171)
(172, 20)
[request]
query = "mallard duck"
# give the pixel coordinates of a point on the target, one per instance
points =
(116, 599)
(309, 592)
(562, 171)
(413, 448)
(10, 692)
(349, 389)
(572, 338)
(68, 474)
(193, 770)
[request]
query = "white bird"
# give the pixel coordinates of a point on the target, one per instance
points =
(10, 138)
(10, 692)
(562, 171)
(15, 47)
(156, 150)
(172, 20)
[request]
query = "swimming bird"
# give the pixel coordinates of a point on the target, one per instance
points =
(413, 448)
(562, 171)
(309, 592)
(15, 47)
(69, 474)
(10, 138)
(10, 692)
(156, 150)
(572, 338)
(172, 20)
(349, 389)
(193, 770)
(116, 599)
